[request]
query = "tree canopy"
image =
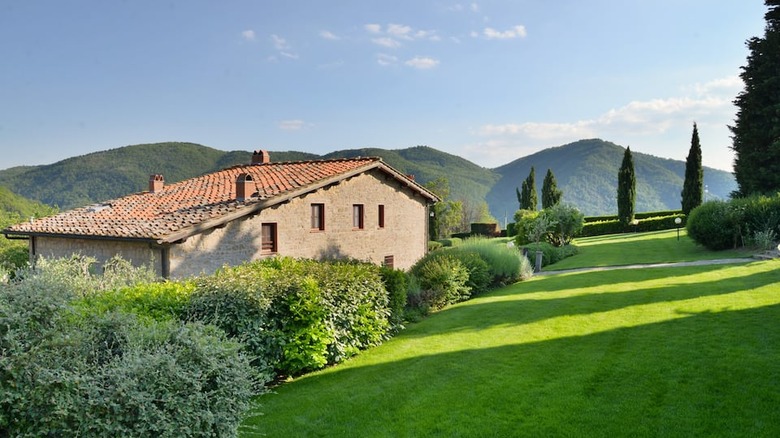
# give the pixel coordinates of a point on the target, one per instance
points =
(693, 186)
(527, 195)
(756, 131)
(626, 192)
(551, 195)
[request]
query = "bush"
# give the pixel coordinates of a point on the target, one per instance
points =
(397, 284)
(442, 281)
(567, 223)
(715, 225)
(552, 254)
(433, 245)
(155, 301)
(503, 262)
(647, 224)
(107, 374)
(452, 241)
(524, 220)
(296, 315)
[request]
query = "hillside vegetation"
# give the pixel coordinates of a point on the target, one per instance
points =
(586, 171)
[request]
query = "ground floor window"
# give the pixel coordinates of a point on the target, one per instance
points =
(269, 238)
(357, 216)
(389, 261)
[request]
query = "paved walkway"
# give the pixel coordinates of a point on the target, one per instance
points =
(651, 265)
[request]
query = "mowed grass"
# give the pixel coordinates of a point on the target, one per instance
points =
(641, 248)
(684, 351)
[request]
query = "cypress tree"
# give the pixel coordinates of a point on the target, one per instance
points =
(550, 193)
(532, 199)
(693, 187)
(756, 131)
(626, 192)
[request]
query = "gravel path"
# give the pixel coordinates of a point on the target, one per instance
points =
(650, 265)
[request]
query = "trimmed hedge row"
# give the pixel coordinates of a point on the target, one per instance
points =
(643, 225)
(640, 216)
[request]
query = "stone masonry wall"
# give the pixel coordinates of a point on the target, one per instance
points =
(404, 236)
(139, 253)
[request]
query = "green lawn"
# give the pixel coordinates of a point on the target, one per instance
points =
(629, 249)
(686, 351)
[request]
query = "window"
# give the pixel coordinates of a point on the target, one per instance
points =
(381, 216)
(318, 217)
(389, 261)
(269, 238)
(357, 216)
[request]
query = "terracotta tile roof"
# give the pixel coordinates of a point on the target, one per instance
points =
(179, 209)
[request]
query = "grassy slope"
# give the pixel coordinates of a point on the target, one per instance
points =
(667, 351)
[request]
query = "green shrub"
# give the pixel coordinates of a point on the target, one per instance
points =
(479, 278)
(434, 245)
(452, 241)
(503, 261)
(647, 224)
(567, 222)
(296, 315)
(396, 283)
(156, 301)
(524, 220)
(715, 225)
(107, 374)
(442, 281)
(552, 254)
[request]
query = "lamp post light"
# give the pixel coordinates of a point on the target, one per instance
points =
(678, 221)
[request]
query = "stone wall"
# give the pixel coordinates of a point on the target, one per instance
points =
(404, 236)
(139, 253)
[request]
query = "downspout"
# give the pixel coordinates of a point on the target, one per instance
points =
(165, 262)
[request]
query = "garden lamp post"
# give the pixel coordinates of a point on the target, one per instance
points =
(678, 221)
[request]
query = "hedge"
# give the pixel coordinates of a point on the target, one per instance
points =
(643, 225)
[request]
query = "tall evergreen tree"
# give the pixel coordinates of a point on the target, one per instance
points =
(551, 195)
(532, 199)
(756, 131)
(693, 187)
(626, 192)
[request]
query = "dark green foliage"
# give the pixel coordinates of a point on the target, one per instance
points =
(528, 195)
(723, 225)
(664, 221)
(156, 301)
(693, 186)
(567, 222)
(434, 245)
(296, 315)
(551, 194)
(67, 373)
(443, 280)
(524, 220)
(756, 131)
(553, 254)
(645, 215)
(452, 241)
(626, 189)
(714, 225)
(397, 284)
(14, 209)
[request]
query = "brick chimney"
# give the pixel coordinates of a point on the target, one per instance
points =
(261, 157)
(245, 186)
(156, 183)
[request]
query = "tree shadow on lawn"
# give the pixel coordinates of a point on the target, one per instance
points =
(514, 308)
(706, 374)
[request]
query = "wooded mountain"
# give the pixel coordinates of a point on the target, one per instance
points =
(586, 171)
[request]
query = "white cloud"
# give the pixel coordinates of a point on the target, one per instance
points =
(422, 63)
(474, 7)
(399, 31)
(493, 34)
(386, 42)
(291, 125)
(248, 35)
(657, 126)
(385, 60)
(279, 42)
(373, 28)
(329, 35)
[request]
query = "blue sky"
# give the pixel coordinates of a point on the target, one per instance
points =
(491, 81)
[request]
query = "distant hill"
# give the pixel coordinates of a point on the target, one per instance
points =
(15, 208)
(586, 171)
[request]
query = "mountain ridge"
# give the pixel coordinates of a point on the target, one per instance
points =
(586, 171)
